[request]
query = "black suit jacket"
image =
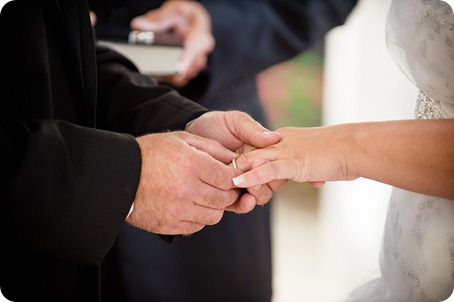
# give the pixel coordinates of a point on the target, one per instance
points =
(69, 164)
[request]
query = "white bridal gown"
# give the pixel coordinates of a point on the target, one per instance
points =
(417, 255)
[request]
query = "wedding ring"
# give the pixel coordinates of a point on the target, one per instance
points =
(235, 165)
(141, 37)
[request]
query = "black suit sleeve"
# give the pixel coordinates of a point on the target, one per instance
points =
(66, 184)
(65, 189)
(134, 103)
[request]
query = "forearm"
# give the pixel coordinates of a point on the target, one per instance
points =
(414, 155)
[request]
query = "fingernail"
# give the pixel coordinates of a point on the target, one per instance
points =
(256, 187)
(238, 180)
(266, 133)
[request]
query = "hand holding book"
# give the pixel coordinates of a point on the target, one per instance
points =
(189, 22)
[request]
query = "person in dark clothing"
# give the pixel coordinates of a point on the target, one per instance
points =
(77, 159)
(250, 36)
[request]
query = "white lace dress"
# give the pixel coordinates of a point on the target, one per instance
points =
(417, 256)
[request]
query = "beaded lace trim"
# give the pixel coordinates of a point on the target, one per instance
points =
(428, 108)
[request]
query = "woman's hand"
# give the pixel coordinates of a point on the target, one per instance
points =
(313, 155)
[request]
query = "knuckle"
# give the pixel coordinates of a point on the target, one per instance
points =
(216, 218)
(277, 185)
(190, 228)
(196, 228)
(218, 199)
(181, 192)
(220, 179)
(245, 157)
(241, 150)
(264, 196)
(255, 175)
(274, 167)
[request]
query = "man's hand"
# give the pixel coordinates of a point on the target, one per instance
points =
(190, 21)
(236, 130)
(184, 185)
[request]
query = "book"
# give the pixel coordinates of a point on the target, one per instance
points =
(153, 54)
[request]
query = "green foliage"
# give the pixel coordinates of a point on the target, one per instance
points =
(300, 80)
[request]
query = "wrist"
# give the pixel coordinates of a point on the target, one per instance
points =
(351, 149)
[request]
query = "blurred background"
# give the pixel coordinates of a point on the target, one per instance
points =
(327, 241)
